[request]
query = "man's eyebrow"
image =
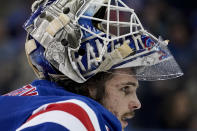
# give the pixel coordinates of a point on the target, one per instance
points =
(130, 83)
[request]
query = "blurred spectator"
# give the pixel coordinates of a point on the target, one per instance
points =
(176, 110)
(193, 123)
(13, 69)
(170, 19)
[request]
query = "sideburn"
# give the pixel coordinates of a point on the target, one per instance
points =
(100, 93)
(98, 86)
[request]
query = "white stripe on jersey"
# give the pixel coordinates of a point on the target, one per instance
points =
(89, 111)
(59, 117)
(83, 105)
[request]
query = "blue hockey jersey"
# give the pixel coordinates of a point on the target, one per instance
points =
(42, 105)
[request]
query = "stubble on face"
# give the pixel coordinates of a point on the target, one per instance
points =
(115, 99)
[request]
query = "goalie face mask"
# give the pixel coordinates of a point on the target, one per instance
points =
(77, 39)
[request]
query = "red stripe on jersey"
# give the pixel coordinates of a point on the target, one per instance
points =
(70, 108)
(29, 93)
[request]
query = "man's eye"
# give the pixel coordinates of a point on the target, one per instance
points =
(125, 90)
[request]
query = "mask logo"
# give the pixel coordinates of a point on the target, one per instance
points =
(93, 47)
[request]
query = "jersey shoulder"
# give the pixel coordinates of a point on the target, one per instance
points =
(72, 114)
(39, 88)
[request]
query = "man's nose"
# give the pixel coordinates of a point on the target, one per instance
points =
(134, 104)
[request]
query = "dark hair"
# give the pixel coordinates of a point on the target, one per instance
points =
(98, 82)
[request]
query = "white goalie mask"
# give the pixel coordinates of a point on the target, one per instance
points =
(77, 39)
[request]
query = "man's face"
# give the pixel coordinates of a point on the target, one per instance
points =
(120, 97)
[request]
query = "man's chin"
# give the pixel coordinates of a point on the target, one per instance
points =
(124, 119)
(124, 124)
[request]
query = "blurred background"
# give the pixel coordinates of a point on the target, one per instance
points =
(166, 105)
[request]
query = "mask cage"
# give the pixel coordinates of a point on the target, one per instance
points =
(113, 18)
